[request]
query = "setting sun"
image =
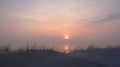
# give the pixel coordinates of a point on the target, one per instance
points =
(66, 37)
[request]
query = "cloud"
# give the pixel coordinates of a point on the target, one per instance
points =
(109, 17)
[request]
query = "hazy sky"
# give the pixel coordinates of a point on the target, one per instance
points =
(86, 21)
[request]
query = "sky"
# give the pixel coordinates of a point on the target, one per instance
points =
(86, 22)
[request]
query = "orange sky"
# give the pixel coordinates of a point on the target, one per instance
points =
(86, 22)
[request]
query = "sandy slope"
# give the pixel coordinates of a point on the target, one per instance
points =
(49, 58)
(108, 57)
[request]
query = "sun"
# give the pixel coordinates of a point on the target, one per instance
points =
(66, 37)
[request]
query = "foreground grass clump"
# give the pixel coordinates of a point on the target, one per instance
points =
(7, 48)
(30, 47)
(91, 47)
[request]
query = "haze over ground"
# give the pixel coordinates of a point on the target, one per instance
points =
(47, 21)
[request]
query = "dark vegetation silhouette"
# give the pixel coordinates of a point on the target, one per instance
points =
(5, 48)
(34, 56)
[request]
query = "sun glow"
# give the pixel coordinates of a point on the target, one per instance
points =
(66, 37)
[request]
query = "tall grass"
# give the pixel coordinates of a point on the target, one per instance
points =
(92, 47)
(34, 47)
(6, 48)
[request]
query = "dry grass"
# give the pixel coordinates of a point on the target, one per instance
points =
(28, 47)
(6, 48)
